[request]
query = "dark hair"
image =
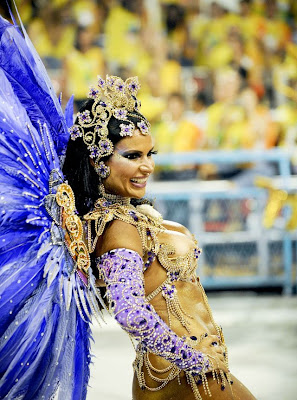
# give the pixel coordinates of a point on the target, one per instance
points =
(175, 16)
(202, 98)
(77, 168)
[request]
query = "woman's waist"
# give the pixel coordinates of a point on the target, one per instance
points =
(198, 317)
(189, 293)
(163, 367)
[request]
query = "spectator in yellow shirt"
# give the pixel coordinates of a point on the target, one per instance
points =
(177, 134)
(82, 65)
(53, 32)
(124, 47)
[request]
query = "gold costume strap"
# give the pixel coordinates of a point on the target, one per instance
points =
(73, 227)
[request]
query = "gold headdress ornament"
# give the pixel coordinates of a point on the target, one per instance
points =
(112, 97)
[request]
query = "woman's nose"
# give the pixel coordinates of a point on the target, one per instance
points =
(147, 167)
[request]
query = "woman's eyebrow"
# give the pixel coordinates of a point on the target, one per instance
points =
(131, 151)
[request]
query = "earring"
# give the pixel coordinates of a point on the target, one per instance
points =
(102, 170)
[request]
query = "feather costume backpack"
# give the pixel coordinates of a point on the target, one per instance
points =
(46, 298)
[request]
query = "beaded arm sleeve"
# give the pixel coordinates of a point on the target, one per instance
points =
(122, 271)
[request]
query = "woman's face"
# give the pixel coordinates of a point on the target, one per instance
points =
(130, 166)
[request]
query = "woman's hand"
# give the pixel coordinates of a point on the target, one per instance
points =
(210, 346)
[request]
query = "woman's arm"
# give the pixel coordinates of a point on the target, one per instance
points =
(122, 271)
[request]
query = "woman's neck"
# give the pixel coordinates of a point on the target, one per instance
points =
(114, 198)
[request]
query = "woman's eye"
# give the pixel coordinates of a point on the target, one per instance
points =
(132, 156)
(152, 153)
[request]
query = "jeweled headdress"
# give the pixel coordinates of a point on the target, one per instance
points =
(112, 97)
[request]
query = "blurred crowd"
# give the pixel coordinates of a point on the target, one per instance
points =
(214, 75)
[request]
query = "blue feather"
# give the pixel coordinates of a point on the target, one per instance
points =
(69, 112)
(30, 82)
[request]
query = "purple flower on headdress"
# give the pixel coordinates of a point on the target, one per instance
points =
(127, 129)
(105, 146)
(120, 113)
(142, 125)
(94, 151)
(120, 86)
(93, 93)
(75, 132)
(101, 82)
(84, 117)
(102, 170)
(133, 86)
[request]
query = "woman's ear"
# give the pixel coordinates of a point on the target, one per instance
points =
(92, 162)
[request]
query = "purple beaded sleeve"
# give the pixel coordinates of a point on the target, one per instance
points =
(122, 271)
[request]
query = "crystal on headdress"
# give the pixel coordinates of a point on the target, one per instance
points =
(127, 129)
(133, 85)
(143, 127)
(93, 93)
(102, 170)
(105, 147)
(119, 85)
(120, 113)
(110, 80)
(101, 82)
(75, 132)
(84, 117)
(94, 151)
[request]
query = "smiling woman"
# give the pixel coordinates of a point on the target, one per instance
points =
(93, 233)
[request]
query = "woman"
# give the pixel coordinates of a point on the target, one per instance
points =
(147, 265)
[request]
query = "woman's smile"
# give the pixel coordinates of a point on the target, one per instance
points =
(139, 182)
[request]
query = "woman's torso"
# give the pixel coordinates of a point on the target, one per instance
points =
(195, 318)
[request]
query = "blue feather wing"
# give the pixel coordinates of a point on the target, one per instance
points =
(45, 308)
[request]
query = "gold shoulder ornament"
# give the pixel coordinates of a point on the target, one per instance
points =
(73, 229)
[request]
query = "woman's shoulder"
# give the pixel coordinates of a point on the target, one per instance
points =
(119, 234)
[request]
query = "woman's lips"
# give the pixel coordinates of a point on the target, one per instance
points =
(139, 182)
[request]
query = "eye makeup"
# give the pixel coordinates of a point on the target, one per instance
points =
(133, 154)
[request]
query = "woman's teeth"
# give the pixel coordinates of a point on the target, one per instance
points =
(139, 180)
